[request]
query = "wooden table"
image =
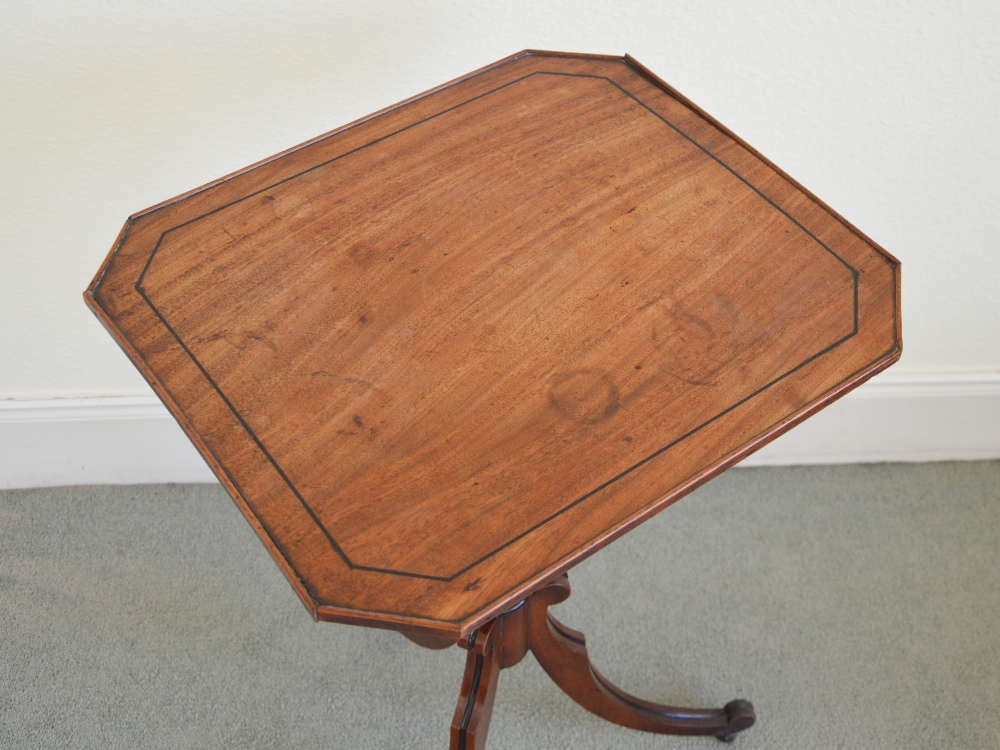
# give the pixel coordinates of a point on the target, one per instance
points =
(444, 353)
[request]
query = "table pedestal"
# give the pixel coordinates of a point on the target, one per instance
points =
(562, 652)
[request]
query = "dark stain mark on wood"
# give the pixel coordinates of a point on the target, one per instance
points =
(588, 395)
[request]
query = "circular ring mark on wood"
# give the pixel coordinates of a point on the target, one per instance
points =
(587, 394)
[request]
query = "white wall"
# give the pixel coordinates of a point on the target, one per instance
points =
(887, 111)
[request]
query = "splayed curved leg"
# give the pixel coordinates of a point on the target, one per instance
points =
(479, 687)
(562, 652)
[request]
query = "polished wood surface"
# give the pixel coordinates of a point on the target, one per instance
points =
(442, 354)
(562, 652)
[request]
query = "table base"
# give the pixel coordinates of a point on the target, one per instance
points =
(562, 652)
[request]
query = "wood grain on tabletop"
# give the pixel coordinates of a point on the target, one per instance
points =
(440, 355)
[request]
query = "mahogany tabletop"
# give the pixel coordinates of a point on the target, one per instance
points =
(440, 355)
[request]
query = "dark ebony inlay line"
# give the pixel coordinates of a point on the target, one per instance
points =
(312, 514)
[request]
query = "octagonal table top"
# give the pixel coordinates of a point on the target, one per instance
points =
(442, 354)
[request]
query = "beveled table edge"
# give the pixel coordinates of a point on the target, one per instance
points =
(463, 626)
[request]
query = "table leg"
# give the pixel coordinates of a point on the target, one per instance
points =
(479, 687)
(562, 652)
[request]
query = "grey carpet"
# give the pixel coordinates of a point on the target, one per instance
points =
(857, 607)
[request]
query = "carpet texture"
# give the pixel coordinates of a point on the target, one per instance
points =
(856, 606)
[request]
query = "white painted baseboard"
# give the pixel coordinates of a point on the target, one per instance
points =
(130, 440)
(134, 440)
(952, 417)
